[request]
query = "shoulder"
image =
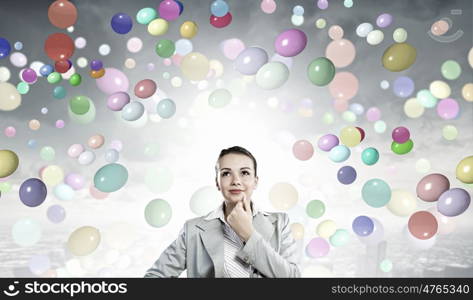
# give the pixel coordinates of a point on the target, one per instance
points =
(281, 218)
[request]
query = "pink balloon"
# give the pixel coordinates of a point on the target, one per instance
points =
(335, 32)
(344, 86)
(75, 150)
(448, 109)
(94, 192)
(340, 105)
(373, 114)
(169, 10)
(290, 42)
(268, 6)
(75, 181)
(341, 52)
(317, 247)
(113, 81)
(231, 48)
(176, 59)
(303, 150)
(10, 131)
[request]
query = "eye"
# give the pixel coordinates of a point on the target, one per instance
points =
(225, 173)
(246, 173)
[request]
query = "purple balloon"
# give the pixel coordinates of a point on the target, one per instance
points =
(113, 81)
(403, 86)
(169, 10)
(121, 23)
(453, 202)
(346, 175)
(290, 42)
(56, 213)
(401, 135)
(33, 192)
(363, 225)
(96, 65)
(118, 100)
(327, 142)
(29, 75)
(317, 247)
(250, 60)
(384, 20)
(75, 181)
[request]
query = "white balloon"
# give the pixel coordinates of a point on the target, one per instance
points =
(375, 37)
(111, 155)
(364, 29)
(86, 158)
(4, 74)
(18, 59)
(183, 47)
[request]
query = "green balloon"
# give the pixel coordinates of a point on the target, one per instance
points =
(376, 193)
(370, 156)
(402, 148)
(79, 105)
(54, 77)
(165, 48)
(47, 153)
(158, 212)
(321, 71)
(75, 79)
(146, 15)
(110, 178)
(22, 88)
(315, 209)
(339, 238)
(5, 187)
(220, 98)
(451, 69)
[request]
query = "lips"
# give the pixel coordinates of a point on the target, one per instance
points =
(235, 191)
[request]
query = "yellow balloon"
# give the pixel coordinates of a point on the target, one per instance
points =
(399, 56)
(83, 240)
(283, 196)
(52, 175)
(402, 203)
(297, 231)
(217, 67)
(326, 228)
(10, 98)
(350, 136)
(158, 27)
(188, 29)
(195, 66)
(449, 132)
(8, 163)
(470, 57)
(467, 92)
(413, 108)
(464, 170)
(440, 89)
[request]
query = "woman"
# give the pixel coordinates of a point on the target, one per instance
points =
(237, 239)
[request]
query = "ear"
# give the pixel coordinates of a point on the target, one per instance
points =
(216, 183)
(256, 183)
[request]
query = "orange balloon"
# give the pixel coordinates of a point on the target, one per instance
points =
(97, 74)
(96, 141)
(62, 13)
(59, 46)
(423, 225)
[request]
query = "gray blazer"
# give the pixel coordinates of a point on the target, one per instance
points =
(271, 250)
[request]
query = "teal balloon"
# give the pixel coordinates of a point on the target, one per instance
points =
(158, 212)
(146, 15)
(339, 153)
(340, 238)
(166, 108)
(220, 98)
(59, 92)
(321, 71)
(370, 156)
(376, 193)
(426, 98)
(110, 178)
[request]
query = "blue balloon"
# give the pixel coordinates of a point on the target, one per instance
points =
(346, 175)
(46, 70)
(121, 23)
(59, 92)
(403, 87)
(166, 108)
(33, 192)
(298, 10)
(32, 143)
(5, 48)
(18, 46)
(219, 8)
(110, 178)
(339, 153)
(363, 226)
(181, 6)
(133, 111)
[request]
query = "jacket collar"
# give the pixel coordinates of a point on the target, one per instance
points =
(212, 233)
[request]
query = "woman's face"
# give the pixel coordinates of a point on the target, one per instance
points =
(236, 175)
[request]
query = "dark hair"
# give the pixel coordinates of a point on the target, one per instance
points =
(237, 150)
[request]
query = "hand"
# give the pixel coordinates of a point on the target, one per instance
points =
(241, 219)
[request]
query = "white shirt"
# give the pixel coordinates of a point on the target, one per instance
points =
(234, 267)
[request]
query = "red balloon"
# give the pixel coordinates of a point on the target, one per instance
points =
(423, 225)
(62, 14)
(59, 46)
(62, 66)
(221, 22)
(145, 88)
(362, 132)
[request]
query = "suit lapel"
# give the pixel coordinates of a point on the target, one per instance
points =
(264, 225)
(212, 237)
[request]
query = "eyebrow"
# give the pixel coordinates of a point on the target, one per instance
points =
(231, 169)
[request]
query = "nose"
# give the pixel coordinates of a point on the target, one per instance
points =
(236, 180)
